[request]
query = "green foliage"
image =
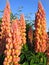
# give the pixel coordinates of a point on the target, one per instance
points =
(25, 63)
(2, 59)
(28, 57)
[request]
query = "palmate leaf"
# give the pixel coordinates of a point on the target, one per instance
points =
(45, 61)
(32, 62)
(36, 59)
(28, 56)
(25, 63)
(41, 60)
(22, 57)
(25, 48)
(40, 64)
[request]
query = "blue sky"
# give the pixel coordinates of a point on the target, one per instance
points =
(28, 6)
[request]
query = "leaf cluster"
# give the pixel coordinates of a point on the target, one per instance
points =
(29, 57)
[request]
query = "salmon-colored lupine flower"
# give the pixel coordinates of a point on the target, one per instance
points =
(23, 28)
(5, 24)
(6, 19)
(19, 27)
(17, 42)
(7, 34)
(40, 30)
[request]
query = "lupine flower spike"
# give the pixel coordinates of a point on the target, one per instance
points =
(40, 30)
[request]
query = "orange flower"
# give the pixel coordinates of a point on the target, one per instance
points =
(40, 30)
(23, 28)
(17, 42)
(6, 32)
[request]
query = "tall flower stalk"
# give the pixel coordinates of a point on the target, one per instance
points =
(7, 35)
(17, 42)
(6, 19)
(40, 30)
(23, 29)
